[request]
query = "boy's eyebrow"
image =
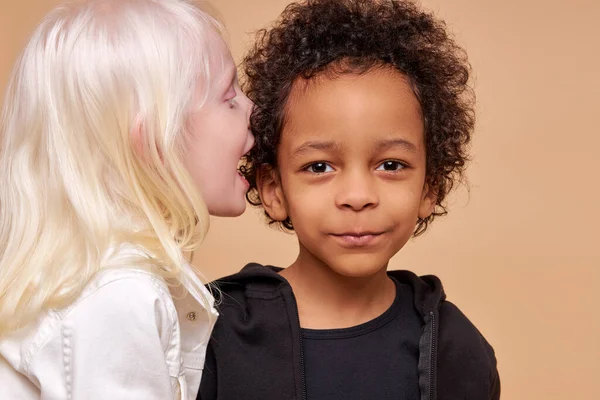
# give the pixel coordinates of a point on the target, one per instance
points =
(380, 145)
(391, 143)
(315, 145)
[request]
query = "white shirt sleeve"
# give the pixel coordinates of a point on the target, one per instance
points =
(114, 343)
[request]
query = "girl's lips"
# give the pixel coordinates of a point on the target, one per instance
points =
(243, 179)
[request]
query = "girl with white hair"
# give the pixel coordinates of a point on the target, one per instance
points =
(122, 129)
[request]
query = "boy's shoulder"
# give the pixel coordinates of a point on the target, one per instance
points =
(258, 302)
(462, 351)
(462, 347)
(263, 282)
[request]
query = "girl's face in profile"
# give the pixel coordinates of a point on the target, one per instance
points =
(219, 135)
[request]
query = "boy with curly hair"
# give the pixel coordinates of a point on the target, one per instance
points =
(362, 121)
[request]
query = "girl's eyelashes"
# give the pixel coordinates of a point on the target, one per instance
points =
(230, 97)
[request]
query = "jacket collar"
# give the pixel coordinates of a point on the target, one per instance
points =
(428, 290)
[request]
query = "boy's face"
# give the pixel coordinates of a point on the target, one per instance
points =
(351, 171)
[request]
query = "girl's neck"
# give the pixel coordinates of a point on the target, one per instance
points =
(328, 300)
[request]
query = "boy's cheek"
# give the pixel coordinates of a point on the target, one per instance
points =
(308, 205)
(308, 216)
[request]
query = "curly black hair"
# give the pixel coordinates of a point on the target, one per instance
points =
(316, 36)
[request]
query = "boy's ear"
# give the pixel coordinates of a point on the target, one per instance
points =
(428, 202)
(271, 195)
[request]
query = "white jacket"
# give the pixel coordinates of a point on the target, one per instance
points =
(126, 337)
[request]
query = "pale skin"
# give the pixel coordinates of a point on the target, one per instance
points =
(351, 177)
(219, 135)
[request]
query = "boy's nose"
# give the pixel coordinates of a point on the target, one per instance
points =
(357, 192)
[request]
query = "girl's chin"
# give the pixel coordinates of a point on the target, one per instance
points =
(228, 210)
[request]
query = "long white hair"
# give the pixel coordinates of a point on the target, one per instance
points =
(91, 141)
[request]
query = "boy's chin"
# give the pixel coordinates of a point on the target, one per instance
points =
(358, 266)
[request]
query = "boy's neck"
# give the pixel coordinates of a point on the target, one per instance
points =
(327, 300)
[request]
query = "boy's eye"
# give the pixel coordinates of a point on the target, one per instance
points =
(319, 168)
(391, 165)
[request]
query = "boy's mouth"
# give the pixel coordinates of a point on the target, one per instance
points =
(357, 239)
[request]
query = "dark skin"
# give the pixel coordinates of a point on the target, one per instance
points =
(351, 177)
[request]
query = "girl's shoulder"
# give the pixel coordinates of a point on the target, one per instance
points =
(113, 301)
(126, 321)
(136, 285)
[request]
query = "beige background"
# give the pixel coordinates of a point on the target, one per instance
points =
(518, 254)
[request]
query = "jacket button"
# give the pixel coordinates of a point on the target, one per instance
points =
(191, 316)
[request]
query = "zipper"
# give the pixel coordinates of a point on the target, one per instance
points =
(302, 373)
(432, 357)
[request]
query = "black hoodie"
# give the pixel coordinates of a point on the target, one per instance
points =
(256, 348)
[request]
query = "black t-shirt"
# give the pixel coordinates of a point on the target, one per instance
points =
(376, 360)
